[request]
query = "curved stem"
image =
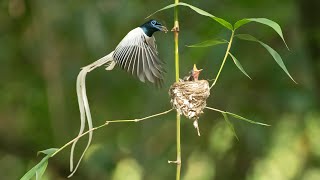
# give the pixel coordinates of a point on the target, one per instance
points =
(106, 123)
(224, 59)
(78, 137)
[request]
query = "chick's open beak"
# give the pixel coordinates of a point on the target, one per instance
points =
(196, 72)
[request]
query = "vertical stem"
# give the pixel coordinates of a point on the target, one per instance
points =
(178, 148)
(176, 40)
(224, 59)
(176, 59)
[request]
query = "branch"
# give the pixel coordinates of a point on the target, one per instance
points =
(106, 123)
(224, 59)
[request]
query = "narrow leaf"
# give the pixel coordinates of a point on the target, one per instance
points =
(41, 170)
(245, 119)
(275, 26)
(230, 125)
(34, 170)
(273, 53)
(199, 11)
(208, 43)
(41, 166)
(240, 23)
(48, 151)
(164, 8)
(237, 63)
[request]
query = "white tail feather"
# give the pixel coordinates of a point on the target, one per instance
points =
(110, 65)
(84, 104)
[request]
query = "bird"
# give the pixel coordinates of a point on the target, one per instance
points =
(193, 74)
(137, 54)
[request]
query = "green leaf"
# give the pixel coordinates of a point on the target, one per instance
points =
(245, 119)
(208, 43)
(199, 11)
(48, 151)
(39, 169)
(32, 172)
(237, 63)
(240, 23)
(230, 125)
(273, 53)
(275, 26)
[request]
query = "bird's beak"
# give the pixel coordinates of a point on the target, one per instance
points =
(196, 69)
(196, 72)
(163, 28)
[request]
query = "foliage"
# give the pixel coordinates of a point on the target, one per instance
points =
(43, 47)
(39, 169)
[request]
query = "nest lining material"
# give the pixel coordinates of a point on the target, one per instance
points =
(189, 98)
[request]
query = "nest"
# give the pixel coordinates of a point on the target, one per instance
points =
(189, 98)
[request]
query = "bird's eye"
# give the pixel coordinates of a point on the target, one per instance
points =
(153, 22)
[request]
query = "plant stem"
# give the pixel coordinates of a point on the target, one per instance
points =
(78, 137)
(178, 148)
(214, 109)
(224, 59)
(176, 40)
(106, 123)
(176, 59)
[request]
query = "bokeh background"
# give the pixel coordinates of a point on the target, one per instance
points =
(43, 45)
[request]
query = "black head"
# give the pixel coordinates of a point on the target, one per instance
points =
(152, 26)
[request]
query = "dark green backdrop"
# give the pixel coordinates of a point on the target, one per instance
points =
(43, 45)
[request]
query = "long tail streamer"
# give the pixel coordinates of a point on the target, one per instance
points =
(84, 108)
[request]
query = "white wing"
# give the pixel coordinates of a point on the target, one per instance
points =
(137, 54)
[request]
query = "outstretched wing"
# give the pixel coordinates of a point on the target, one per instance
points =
(138, 55)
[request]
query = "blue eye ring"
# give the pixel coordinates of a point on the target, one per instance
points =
(153, 22)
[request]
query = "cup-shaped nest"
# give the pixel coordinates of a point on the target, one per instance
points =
(189, 97)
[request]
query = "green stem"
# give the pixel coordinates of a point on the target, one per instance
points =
(218, 110)
(176, 40)
(106, 123)
(78, 137)
(224, 59)
(178, 148)
(176, 59)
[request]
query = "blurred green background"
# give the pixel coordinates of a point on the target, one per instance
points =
(43, 45)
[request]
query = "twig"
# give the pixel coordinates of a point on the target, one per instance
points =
(140, 119)
(238, 117)
(78, 137)
(106, 123)
(224, 59)
(214, 109)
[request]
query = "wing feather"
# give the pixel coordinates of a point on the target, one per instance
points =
(129, 57)
(138, 55)
(155, 66)
(133, 56)
(152, 67)
(136, 60)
